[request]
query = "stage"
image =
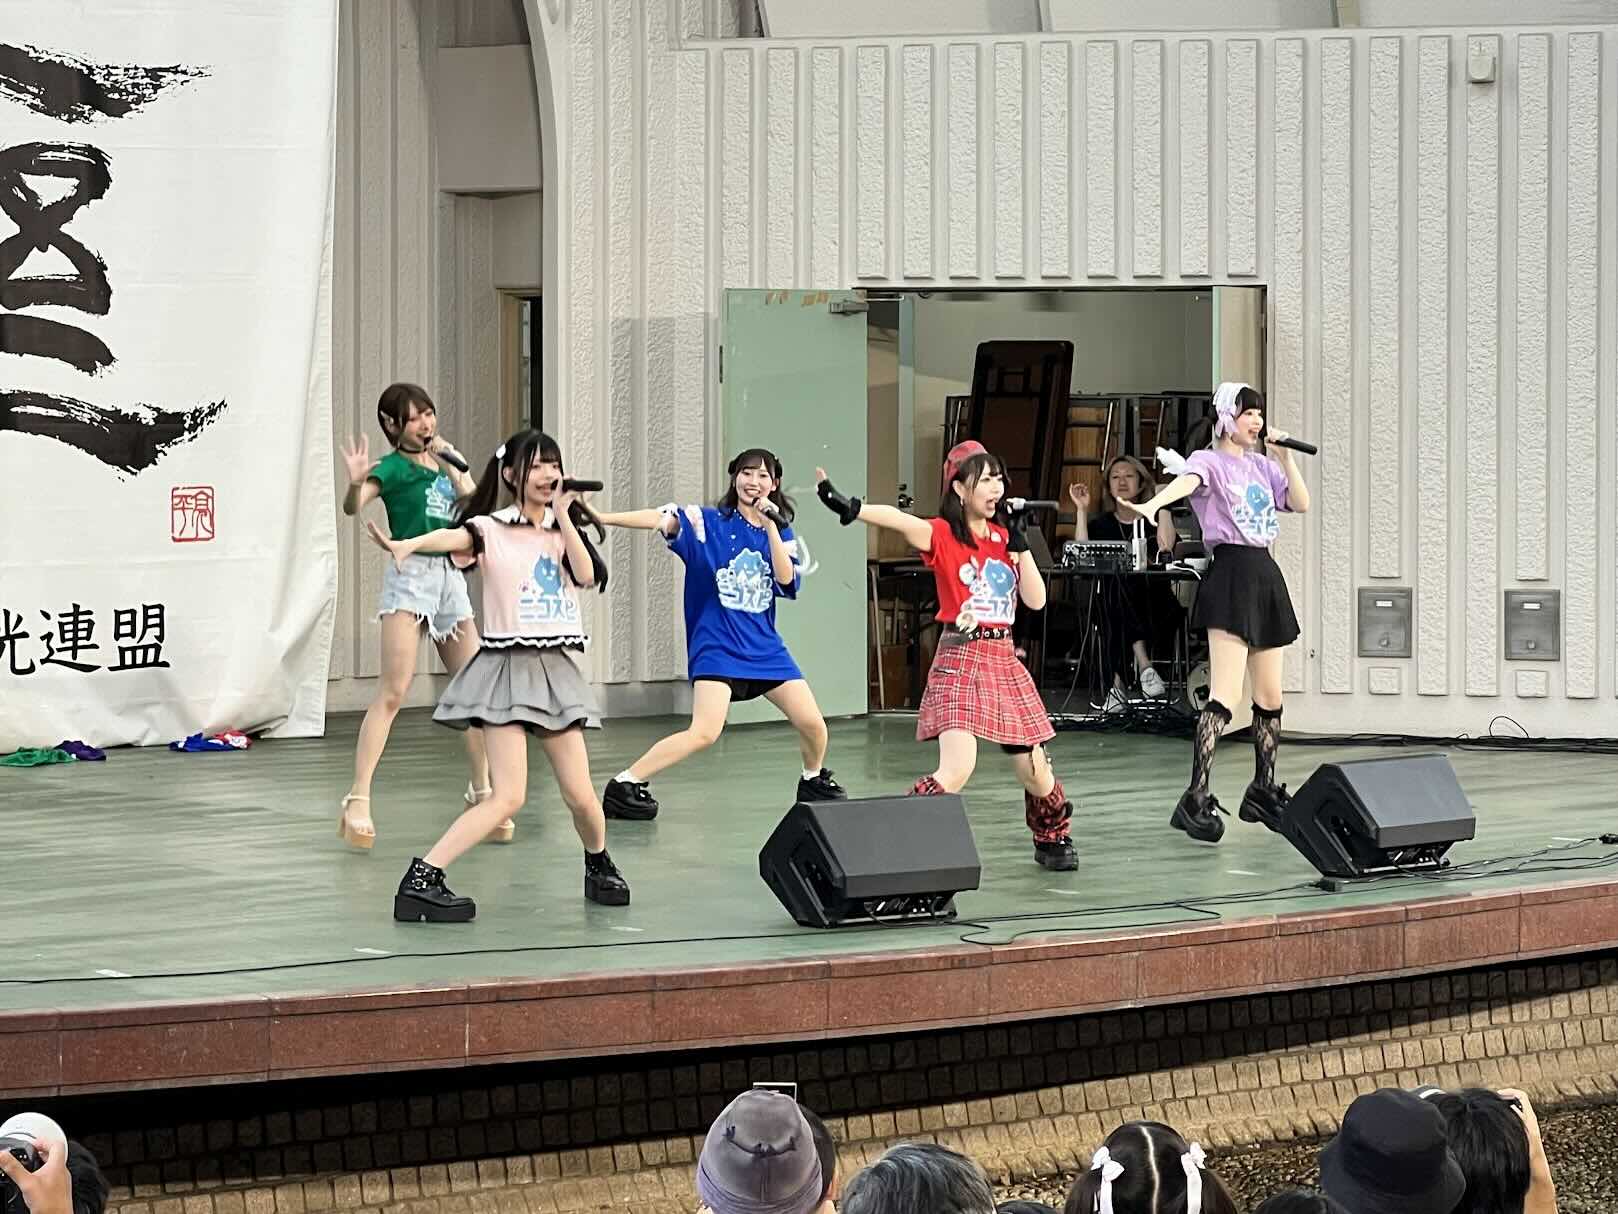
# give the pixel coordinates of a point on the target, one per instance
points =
(177, 919)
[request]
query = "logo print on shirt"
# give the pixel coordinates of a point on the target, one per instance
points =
(745, 584)
(441, 498)
(540, 599)
(994, 591)
(1253, 511)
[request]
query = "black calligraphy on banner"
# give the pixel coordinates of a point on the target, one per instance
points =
(67, 639)
(128, 438)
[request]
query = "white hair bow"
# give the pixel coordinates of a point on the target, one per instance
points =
(1225, 399)
(500, 451)
(1192, 1162)
(1110, 1170)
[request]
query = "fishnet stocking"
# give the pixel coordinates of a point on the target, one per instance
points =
(1266, 741)
(1210, 724)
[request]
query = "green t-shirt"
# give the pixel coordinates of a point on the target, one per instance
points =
(417, 499)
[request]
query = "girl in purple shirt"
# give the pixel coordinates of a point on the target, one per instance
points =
(1237, 493)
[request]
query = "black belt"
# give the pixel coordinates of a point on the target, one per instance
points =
(983, 634)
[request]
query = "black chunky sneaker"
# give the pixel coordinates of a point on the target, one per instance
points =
(630, 800)
(821, 788)
(1265, 803)
(1198, 815)
(1058, 856)
(603, 882)
(424, 898)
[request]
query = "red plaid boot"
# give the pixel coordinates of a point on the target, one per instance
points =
(1047, 817)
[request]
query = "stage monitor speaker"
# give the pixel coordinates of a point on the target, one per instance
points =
(1369, 817)
(887, 859)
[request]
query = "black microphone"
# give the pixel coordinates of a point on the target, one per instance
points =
(1295, 444)
(453, 460)
(569, 485)
(1021, 505)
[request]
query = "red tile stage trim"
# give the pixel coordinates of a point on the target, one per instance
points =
(62, 1052)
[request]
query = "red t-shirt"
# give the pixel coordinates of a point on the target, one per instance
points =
(983, 579)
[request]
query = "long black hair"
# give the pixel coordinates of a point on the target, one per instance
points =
(393, 406)
(950, 508)
(757, 457)
(518, 454)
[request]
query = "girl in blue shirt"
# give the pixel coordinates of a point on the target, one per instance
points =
(740, 556)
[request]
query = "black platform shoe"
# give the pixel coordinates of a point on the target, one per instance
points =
(1058, 856)
(821, 788)
(1198, 815)
(630, 800)
(424, 898)
(603, 882)
(1265, 803)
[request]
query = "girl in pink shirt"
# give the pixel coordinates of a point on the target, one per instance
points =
(534, 557)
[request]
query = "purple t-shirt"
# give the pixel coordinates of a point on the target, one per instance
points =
(1238, 500)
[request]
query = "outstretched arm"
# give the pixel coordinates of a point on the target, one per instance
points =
(642, 520)
(1182, 486)
(917, 532)
(445, 539)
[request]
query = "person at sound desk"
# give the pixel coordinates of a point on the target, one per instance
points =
(1137, 613)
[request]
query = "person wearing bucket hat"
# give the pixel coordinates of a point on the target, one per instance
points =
(977, 689)
(1391, 1157)
(759, 1158)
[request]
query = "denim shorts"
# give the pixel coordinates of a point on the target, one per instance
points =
(429, 588)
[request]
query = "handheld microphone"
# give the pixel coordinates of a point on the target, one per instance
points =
(570, 485)
(1295, 444)
(1020, 505)
(453, 460)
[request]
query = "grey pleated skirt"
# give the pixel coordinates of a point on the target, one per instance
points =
(543, 690)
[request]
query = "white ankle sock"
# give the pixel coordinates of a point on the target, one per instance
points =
(810, 775)
(624, 777)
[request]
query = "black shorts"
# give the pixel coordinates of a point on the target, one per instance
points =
(741, 690)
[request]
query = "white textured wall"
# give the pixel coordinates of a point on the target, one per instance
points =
(1438, 284)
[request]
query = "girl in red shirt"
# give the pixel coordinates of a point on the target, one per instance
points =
(977, 688)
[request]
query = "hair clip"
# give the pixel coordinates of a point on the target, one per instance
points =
(1110, 1170)
(500, 451)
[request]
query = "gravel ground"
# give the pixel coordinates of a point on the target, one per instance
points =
(1582, 1145)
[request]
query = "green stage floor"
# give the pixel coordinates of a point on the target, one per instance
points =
(160, 876)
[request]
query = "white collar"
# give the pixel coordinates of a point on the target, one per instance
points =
(513, 515)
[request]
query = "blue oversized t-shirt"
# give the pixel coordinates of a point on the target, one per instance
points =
(730, 593)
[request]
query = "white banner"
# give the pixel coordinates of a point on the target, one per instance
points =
(169, 561)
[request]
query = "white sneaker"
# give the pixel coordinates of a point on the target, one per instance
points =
(1152, 683)
(1115, 702)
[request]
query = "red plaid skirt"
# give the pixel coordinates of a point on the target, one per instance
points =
(979, 685)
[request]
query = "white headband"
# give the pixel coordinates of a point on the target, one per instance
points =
(1225, 399)
(1110, 1170)
(1192, 1162)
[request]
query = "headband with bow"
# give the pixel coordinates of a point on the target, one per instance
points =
(1227, 408)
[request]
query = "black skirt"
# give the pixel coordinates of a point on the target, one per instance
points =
(1244, 593)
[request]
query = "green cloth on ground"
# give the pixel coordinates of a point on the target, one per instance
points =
(36, 758)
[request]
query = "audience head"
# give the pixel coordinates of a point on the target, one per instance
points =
(919, 1178)
(1298, 1201)
(759, 1158)
(1490, 1145)
(1127, 479)
(1391, 1157)
(825, 1151)
(1145, 1167)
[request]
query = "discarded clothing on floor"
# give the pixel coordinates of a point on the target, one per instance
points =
(231, 739)
(38, 757)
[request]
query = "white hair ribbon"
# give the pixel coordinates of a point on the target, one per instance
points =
(1110, 1170)
(1225, 399)
(1171, 462)
(1192, 1162)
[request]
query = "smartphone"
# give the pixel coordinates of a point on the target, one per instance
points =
(787, 1089)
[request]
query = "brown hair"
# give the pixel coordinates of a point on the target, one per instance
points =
(1148, 486)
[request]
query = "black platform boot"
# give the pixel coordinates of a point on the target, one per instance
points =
(821, 787)
(630, 800)
(1198, 815)
(1265, 803)
(424, 898)
(603, 883)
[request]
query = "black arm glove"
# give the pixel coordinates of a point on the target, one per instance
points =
(1017, 532)
(847, 509)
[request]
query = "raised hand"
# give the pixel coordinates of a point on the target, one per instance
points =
(1079, 494)
(847, 509)
(357, 458)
